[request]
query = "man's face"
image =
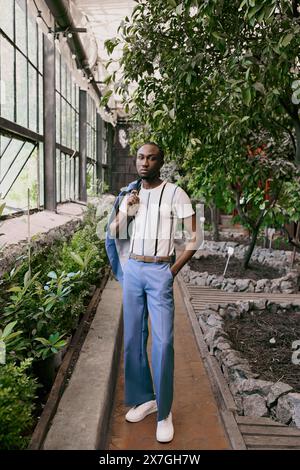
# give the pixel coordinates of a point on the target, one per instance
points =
(148, 162)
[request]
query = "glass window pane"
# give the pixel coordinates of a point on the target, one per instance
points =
(58, 176)
(58, 118)
(73, 92)
(63, 178)
(57, 70)
(32, 98)
(11, 148)
(41, 169)
(41, 39)
(41, 105)
(63, 122)
(72, 174)
(77, 132)
(22, 96)
(7, 17)
(32, 40)
(63, 80)
(19, 159)
(7, 100)
(77, 178)
(17, 197)
(68, 94)
(21, 36)
(67, 177)
(69, 124)
(4, 142)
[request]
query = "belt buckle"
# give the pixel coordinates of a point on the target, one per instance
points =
(155, 259)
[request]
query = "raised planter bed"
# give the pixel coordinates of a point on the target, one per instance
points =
(66, 367)
(280, 278)
(253, 395)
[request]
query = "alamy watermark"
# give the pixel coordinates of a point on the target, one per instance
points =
(296, 353)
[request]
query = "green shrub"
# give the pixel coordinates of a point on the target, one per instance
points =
(17, 394)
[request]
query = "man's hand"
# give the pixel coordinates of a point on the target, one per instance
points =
(173, 271)
(133, 202)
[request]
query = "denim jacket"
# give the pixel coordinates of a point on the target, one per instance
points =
(118, 249)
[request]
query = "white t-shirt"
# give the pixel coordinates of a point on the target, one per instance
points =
(150, 224)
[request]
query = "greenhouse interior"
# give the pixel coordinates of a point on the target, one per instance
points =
(149, 228)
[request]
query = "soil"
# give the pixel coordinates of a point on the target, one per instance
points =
(216, 265)
(251, 336)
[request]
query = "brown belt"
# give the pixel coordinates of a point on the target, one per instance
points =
(152, 259)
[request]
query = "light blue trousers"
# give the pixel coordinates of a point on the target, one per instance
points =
(148, 289)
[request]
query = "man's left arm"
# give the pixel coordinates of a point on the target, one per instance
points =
(194, 242)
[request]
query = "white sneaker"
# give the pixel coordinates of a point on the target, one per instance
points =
(165, 429)
(139, 412)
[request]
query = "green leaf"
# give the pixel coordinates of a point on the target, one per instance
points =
(179, 9)
(77, 258)
(27, 278)
(242, 5)
(285, 40)
(52, 275)
(15, 289)
(172, 113)
(246, 96)
(44, 341)
(262, 206)
(8, 329)
(254, 10)
(157, 113)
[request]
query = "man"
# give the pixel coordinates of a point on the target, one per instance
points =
(148, 277)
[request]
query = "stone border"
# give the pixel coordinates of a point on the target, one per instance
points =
(12, 254)
(288, 283)
(253, 397)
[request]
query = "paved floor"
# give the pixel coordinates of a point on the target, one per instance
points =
(196, 418)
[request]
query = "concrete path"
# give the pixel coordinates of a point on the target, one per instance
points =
(196, 417)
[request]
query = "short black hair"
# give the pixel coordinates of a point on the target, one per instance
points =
(161, 153)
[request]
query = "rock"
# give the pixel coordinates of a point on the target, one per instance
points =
(232, 312)
(242, 284)
(222, 312)
(212, 334)
(251, 286)
(254, 386)
(277, 390)
(214, 320)
(261, 285)
(272, 307)
(200, 281)
(284, 411)
(259, 304)
(288, 409)
(221, 344)
(255, 405)
(216, 283)
(287, 287)
(275, 285)
(243, 307)
(194, 275)
(231, 358)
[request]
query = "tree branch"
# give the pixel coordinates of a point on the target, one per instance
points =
(292, 240)
(288, 131)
